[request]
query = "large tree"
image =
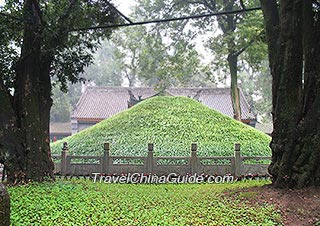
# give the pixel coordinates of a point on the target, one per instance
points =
(160, 55)
(239, 35)
(37, 44)
(293, 30)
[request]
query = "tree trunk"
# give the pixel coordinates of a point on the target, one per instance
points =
(294, 55)
(33, 112)
(4, 206)
(11, 139)
(235, 96)
(28, 140)
(228, 25)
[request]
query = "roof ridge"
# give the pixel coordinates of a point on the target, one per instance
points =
(145, 87)
(107, 100)
(244, 99)
(82, 97)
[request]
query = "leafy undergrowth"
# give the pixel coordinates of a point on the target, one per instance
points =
(82, 202)
(172, 124)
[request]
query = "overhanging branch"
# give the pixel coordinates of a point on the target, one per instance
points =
(11, 17)
(146, 22)
(271, 23)
(239, 52)
(242, 4)
(120, 13)
(316, 3)
(167, 20)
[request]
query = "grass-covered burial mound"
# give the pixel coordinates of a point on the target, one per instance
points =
(172, 124)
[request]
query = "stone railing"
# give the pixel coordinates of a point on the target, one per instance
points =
(236, 165)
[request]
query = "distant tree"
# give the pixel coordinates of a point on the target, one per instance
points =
(104, 71)
(106, 68)
(129, 45)
(34, 48)
(293, 30)
(61, 108)
(161, 55)
(239, 37)
(257, 86)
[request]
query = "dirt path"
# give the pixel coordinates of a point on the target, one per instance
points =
(298, 207)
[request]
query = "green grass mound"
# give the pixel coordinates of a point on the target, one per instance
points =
(172, 124)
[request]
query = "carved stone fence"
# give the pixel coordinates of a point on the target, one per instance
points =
(236, 165)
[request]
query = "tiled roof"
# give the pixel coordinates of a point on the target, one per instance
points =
(103, 102)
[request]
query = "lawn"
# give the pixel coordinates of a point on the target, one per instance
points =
(82, 202)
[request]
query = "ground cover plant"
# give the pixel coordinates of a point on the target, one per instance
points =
(82, 202)
(172, 124)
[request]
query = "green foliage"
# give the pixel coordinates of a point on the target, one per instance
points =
(66, 53)
(105, 71)
(245, 39)
(129, 47)
(9, 37)
(229, 33)
(172, 124)
(160, 55)
(241, 35)
(80, 202)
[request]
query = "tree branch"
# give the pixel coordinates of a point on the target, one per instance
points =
(242, 5)
(4, 94)
(316, 3)
(11, 17)
(271, 24)
(238, 53)
(210, 5)
(57, 38)
(120, 13)
(67, 12)
(167, 20)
